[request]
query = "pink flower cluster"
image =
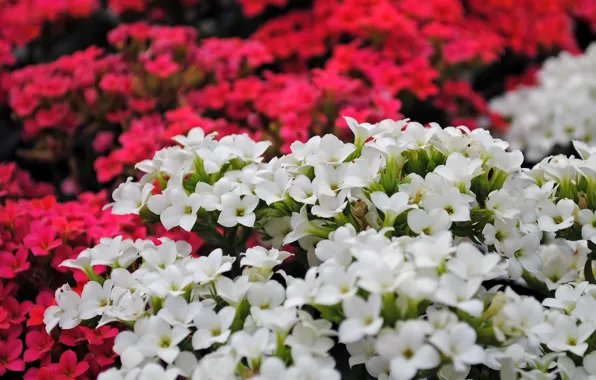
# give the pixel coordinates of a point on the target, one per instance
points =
(17, 183)
(35, 237)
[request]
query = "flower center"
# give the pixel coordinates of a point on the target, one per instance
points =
(239, 212)
(427, 231)
(165, 342)
(215, 332)
(408, 353)
(449, 210)
(571, 341)
(188, 210)
(558, 220)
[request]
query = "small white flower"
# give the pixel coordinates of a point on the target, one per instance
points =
(553, 218)
(253, 346)
(66, 312)
(587, 218)
(362, 318)
(428, 223)
(212, 327)
(236, 210)
(233, 292)
(569, 336)
(263, 260)
(182, 211)
(407, 351)
(392, 207)
(455, 292)
(95, 298)
(177, 312)
(208, 268)
(459, 344)
(162, 340)
(129, 197)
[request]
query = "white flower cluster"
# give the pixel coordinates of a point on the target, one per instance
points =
(561, 108)
(401, 231)
(403, 305)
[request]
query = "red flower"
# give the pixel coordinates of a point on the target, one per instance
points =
(107, 168)
(36, 315)
(162, 66)
(11, 264)
(98, 335)
(9, 357)
(72, 337)
(69, 367)
(17, 312)
(38, 344)
(103, 354)
(41, 239)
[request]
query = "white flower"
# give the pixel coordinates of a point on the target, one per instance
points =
(253, 346)
(194, 138)
(274, 191)
(459, 344)
(470, 263)
(407, 351)
(460, 170)
(208, 268)
(455, 292)
(237, 211)
(182, 211)
(170, 282)
(361, 351)
(392, 207)
(306, 367)
(305, 341)
(300, 291)
(162, 340)
(212, 327)
(587, 218)
(428, 223)
(302, 190)
(95, 298)
(337, 286)
(266, 295)
(153, 371)
(272, 368)
(331, 151)
(553, 218)
(263, 260)
(177, 312)
(330, 206)
(451, 200)
(249, 150)
(66, 312)
(569, 336)
(233, 292)
(129, 197)
(362, 318)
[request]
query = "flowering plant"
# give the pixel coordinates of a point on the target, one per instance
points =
(389, 246)
(554, 111)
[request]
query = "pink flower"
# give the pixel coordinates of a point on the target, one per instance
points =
(11, 264)
(103, 141)
(107, 168)
(69, 367)
(38, 344)
(41, 239)
(9, 357)
(162, 66)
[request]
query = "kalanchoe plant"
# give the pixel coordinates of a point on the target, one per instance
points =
(401, 234)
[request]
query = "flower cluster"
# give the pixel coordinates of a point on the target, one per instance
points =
(36, 236)
(399, 231)
(335, 58)
(17, 183)
(556, 110)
